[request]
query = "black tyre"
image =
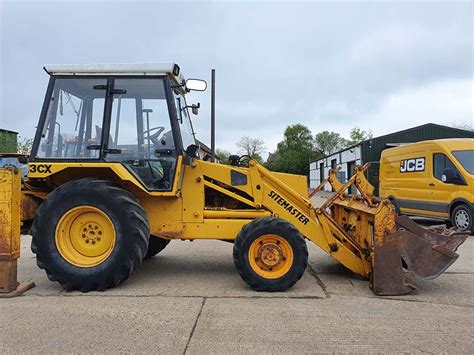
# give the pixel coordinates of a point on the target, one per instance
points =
(270, 254)
(155, 246)
(90, 235)
(462, 218)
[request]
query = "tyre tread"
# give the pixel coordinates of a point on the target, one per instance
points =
(127, 202)
(257, 226)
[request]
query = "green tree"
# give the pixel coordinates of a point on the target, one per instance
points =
(295, 152)
(357, 135)
(328, 142)
(223, 155)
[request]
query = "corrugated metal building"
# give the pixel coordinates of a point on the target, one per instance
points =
(371, 149)
(8, 141)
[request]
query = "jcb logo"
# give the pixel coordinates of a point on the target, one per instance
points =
(411, 165)
(40, 168)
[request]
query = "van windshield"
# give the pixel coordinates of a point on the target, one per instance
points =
(466, 159)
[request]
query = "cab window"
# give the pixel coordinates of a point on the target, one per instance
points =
(73, 126)
(141, 136)
(184, 121)
(441, 162)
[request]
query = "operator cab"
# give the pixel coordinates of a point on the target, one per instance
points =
(133, 114)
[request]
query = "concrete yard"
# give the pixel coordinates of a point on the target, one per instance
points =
(190, 299)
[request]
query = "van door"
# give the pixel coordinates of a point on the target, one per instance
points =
(440, 194)
(411, 189)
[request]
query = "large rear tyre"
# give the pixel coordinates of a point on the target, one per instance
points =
(90, 235)
(270, 254)
(156, 246)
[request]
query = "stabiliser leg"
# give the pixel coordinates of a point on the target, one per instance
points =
(10, 194)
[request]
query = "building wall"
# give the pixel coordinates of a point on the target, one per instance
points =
(342, 158)
(8, 141)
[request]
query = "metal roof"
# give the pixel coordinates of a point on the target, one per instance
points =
(116, 69)
(428, 131)
(203, 146)
(7, 131)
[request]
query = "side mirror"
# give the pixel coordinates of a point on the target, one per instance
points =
(451, 176)
(192, 151)
(196, 85)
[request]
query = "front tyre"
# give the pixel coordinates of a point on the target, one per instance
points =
(156, 246)
(270, 254)
(90, 235)
(462, 218)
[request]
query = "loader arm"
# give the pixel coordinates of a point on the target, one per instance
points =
(314, 223)
(362, 231)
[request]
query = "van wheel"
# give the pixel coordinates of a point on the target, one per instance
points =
(462, 218)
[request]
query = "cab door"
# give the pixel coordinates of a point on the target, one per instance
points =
(142, 131)
(440, 194)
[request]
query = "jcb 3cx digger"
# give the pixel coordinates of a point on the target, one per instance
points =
(114, 174)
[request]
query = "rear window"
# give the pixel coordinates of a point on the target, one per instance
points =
(466, 159)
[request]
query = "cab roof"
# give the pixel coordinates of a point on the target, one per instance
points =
(171, 69)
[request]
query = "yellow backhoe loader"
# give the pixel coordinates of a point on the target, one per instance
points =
(114, 175)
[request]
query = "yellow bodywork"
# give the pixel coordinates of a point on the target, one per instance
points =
(420, 192)
(184, 214)
(215, 201)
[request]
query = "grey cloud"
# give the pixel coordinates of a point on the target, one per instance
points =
(277, 63)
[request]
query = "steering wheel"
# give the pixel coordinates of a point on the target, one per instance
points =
(153, 137)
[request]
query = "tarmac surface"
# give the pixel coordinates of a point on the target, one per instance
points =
(190, 299)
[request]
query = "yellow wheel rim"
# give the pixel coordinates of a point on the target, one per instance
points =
(270, 256)
(85, 236)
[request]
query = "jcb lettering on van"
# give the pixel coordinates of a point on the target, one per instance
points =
(412, 165)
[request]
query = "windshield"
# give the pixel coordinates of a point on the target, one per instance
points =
(466, 159)
(185, 126)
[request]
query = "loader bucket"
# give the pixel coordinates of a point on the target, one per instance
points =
(411, 252)
(398, 250)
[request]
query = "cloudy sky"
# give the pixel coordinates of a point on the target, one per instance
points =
(383, 66)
